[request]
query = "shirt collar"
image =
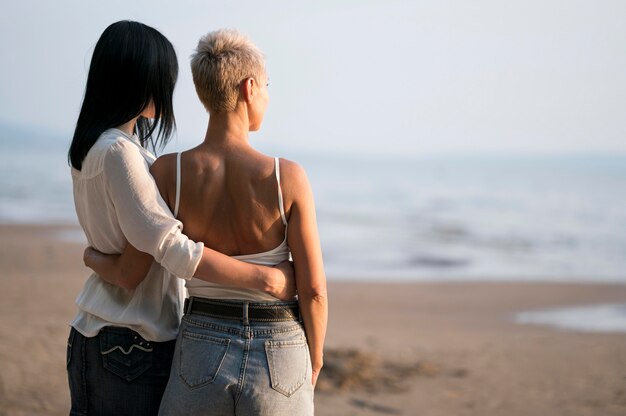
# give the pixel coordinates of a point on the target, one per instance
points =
(132, 138)
(135, 140)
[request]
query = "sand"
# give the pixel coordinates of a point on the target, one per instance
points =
(392, 349)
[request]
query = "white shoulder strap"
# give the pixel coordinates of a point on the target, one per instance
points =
(280, 192)
(177, 185)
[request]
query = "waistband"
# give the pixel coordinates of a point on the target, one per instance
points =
(243, 310)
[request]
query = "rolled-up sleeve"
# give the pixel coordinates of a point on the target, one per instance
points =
(143, 216)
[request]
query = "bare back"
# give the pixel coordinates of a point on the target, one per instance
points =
(228, 198)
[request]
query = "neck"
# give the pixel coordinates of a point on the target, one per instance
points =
(229, 128)
(129, 126)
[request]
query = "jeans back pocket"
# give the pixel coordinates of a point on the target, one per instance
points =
(201, 357)
(124, 352)
(288, 362)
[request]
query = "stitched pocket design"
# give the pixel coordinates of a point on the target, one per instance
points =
(287, 362)
(201, 357)
(125, 353)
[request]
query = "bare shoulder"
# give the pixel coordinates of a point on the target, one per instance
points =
(292, 175)
(164, 174)
(295, 184)
(164, 165)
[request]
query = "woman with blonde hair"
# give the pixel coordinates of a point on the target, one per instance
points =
(242, 351)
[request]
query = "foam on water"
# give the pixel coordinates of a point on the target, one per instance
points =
(594, 318)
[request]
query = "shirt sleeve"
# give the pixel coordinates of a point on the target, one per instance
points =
(145, 219)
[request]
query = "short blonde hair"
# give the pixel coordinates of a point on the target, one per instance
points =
(222, 60)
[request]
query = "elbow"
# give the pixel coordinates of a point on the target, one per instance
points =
(129, 280)
(314, 296)
(320, 298)
(133, 282)
(128, 284)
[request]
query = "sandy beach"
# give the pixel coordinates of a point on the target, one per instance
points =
(392, 349)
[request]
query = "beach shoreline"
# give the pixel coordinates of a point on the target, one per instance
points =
(427, 348)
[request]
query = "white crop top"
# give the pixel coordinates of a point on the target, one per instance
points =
(200, 288)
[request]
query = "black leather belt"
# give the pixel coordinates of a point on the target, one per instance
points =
(242, 310)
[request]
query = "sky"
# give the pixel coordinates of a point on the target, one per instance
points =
(358, 77)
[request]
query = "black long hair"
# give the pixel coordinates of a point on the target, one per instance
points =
(132, 64)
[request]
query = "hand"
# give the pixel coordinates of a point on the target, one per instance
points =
(283, 284)
(316, 374)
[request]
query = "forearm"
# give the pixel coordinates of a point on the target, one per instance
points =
(314, 311)
(107, 266)
(126, 270)
(218, 268)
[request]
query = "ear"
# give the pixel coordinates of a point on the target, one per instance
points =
(149, 111)
(248, 89)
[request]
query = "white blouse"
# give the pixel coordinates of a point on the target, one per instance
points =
(117, 201)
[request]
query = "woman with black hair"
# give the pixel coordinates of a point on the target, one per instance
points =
(122, 339)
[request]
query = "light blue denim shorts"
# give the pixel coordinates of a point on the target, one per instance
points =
(223, 367)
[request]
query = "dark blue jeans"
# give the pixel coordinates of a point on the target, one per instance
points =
(117, 372)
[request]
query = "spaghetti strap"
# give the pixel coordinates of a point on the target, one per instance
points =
(280, 192)
(177, 185)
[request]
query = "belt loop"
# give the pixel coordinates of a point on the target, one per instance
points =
(245, 313)
(189, 305)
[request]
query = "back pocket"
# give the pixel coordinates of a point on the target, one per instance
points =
(288, 362)
(124, 352)
(201, 357)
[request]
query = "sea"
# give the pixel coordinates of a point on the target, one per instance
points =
(405, 218)
(557, 218)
